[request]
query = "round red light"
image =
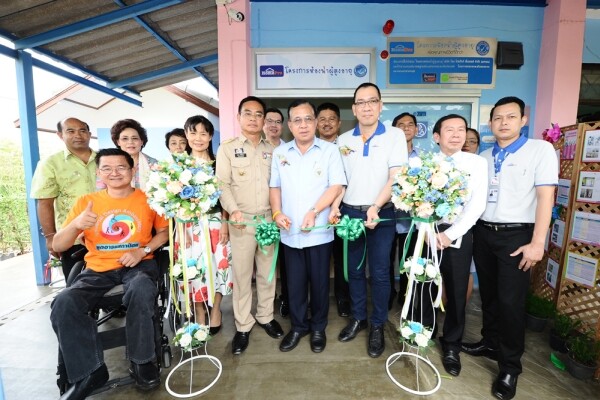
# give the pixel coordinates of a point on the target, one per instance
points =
(388, 27)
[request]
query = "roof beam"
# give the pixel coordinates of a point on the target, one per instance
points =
(152, 75)
(164, 42)
(93, 23)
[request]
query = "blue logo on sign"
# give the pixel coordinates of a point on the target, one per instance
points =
(271, 71)
(402, 48)
(360, 70)
(482, 48)
(421, 130)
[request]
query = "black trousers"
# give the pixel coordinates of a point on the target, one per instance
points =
(340, 286)
(283, 277)
(503, 288)
(396, 253)
(308, 270)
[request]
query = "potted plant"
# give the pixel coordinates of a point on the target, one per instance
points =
(583, 355)
(539, 310)
(562, 328)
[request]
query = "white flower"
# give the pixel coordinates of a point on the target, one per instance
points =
(209, 189)
(191, 272)
(439, 180)
(159, 195)
(445, 166)
(421, 340)
(176, 270)
(185, 177)
(417, 268)
(185, 340)
(430, 270)
(408, 188)
(201, 177)
(403, 206)
(200, 335)
(154, 179)
(415, 162)
(405, 331)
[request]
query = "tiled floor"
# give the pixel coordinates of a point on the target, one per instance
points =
(342, 371)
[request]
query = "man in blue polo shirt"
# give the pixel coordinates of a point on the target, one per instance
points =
(371, 153)
(509, 237)
(306, 177)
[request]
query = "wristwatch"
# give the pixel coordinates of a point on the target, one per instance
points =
(315, 211)
(147, 249)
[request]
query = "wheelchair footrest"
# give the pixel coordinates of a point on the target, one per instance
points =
(113, 338)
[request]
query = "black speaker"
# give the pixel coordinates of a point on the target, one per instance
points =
(509, 55)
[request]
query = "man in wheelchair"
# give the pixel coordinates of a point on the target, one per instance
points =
(116, 225)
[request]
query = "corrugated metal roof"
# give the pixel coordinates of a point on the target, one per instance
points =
(123, 50)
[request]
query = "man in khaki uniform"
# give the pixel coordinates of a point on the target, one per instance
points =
(244, 169)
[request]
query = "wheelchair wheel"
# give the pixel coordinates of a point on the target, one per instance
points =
(166, 357)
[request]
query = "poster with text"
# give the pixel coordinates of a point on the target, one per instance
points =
(591, 146)
(581, 269)
(558, 233)
(586, 228)
(564, 189)
(589, 187)
(568, 150)
(552, 273)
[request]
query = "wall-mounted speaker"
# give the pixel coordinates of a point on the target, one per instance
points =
(509, 55)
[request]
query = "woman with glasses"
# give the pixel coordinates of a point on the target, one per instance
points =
(472, 143)
(130, 136)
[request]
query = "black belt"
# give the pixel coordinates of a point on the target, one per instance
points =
(365, 208)
(492, 226)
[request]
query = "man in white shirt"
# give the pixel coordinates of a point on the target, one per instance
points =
(509, 238)
(372, 153)
(450, 133)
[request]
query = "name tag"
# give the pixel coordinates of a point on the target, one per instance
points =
(493, 195)
(239, 152)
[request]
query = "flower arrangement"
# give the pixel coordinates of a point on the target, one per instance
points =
(415, 334)
(552, 134)
(423, 269)
(191, 336)
(429, 186)
(183, 187)
(193, 270)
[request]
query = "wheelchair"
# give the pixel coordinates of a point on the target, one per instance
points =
(111, 306)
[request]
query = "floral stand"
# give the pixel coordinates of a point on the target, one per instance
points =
(416, 338)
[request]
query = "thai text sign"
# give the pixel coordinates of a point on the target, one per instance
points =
(442, 62)
(286, 69)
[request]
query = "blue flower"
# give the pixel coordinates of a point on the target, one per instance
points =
(414, 171)
(442, 210)
(187, 192)
(192, 262)
(416, 327)
(191, 328)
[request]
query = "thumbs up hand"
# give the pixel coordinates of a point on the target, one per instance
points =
(86, 219)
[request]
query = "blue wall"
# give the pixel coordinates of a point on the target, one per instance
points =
(359, 25)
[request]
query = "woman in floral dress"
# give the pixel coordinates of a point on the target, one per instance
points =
(199, 133)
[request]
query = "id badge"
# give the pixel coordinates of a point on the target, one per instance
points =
(493, 195)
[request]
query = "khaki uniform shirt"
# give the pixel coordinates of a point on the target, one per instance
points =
(244, 172)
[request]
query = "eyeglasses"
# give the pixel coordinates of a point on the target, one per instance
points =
(270, 121)
(119, 170)
(363, 103)
(308, 120)
(250, 114)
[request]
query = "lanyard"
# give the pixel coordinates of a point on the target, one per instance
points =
(500, 153)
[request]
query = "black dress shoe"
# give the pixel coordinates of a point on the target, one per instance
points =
(146, 375)
(240, 342)
(451, 362)
(284, 308)
(291, 340)
(505, 386)
(318, 340)
(343, 308)
(352, 329)
(376, 341)
(480, 349)
(272, 328)
(81, 389)
(213, 330)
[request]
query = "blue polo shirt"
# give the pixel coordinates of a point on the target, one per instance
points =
(303, 178)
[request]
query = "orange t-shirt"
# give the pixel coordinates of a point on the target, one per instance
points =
(122, 225)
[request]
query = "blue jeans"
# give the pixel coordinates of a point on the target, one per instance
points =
(379, 244)
(77, 332)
